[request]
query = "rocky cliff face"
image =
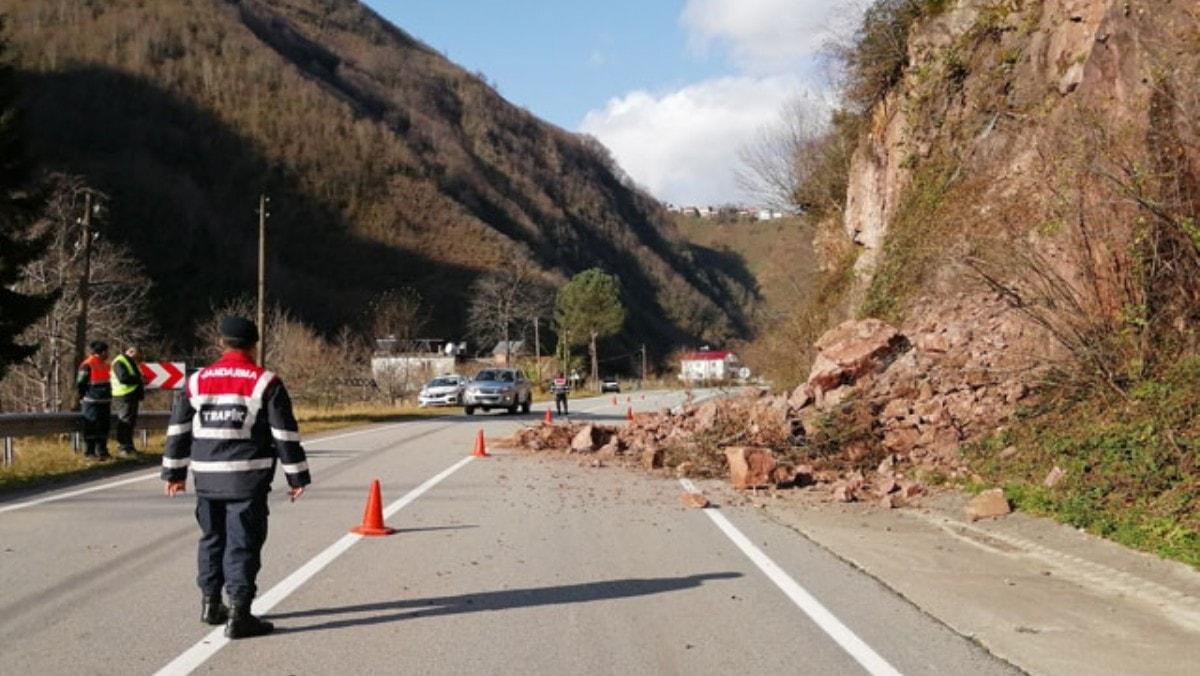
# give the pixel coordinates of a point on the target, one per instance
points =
(997, 178)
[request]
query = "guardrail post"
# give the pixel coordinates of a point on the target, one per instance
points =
(145, 440)
(8, 451)
(75, 441)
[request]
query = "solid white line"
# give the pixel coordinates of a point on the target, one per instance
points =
(819, 614)
(198, 654)
(76, 493)
(143, 477)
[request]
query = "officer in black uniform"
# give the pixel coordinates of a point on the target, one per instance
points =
(231, 425)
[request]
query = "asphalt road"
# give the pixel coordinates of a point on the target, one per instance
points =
(515, 564)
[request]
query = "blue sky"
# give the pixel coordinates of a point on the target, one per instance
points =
(673, 88)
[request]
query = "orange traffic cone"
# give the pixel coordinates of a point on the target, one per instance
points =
(629, 413)
(480, 448)
(372, 523)
(549, 419)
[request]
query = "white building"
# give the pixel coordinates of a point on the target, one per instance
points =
(708, 365)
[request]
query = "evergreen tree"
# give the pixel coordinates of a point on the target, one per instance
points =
(18, 246)
(588, 308)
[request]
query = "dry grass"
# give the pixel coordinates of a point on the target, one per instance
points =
(40, 460)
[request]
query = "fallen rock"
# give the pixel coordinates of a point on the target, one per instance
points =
(694, 500)
(851, 350)
(684, 468)
(750, 467)
(585, 440)
(988, 505)
(652, 457)
(1054, 476)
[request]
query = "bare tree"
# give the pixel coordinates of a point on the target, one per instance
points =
(779, 158)
(398, 313)
(118, 306)
(506, 303)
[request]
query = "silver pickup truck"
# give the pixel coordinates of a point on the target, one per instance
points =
(498, 388)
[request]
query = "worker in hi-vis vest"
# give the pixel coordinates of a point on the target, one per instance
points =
(128, 390)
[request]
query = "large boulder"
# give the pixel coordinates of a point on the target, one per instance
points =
(585, 440)
(750, 467)
(854, 348)
(988, 505)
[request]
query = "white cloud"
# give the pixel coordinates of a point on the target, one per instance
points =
(765, 36)
(682, 145)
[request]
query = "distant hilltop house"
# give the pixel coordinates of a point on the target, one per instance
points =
(729, 213)
(708, 365)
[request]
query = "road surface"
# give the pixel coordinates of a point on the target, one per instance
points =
(514, 564)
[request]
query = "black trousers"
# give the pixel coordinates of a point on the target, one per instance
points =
(560, 404)
(231, 541)
(126, 409)
(96, 421)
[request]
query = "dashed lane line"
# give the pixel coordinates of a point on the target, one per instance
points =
(198, 654)
(818, 613)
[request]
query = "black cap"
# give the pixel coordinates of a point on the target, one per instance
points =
(239, 328)
(98, 346)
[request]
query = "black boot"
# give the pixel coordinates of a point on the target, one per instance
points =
(212, 611)
(244, 625)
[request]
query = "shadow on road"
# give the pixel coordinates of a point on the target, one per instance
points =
(381, 613)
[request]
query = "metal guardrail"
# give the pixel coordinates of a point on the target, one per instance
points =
(14, 425)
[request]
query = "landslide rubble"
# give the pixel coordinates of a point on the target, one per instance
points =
(881, 412)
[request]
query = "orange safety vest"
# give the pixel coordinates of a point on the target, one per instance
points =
(99, 369)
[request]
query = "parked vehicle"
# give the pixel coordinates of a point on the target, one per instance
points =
(444, 390)
(610, 384)
(498, 388)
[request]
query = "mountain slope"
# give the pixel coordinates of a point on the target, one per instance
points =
(388, 166)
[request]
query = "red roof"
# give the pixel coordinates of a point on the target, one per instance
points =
(711, 355)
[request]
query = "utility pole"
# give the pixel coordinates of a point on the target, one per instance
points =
(84, 280)
(537, 348)
(643, 383)
(263, 201)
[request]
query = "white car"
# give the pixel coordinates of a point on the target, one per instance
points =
(442, 391)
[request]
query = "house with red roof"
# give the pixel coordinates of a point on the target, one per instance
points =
(708, 364)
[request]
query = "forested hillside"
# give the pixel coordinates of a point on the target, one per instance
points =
(387, 165)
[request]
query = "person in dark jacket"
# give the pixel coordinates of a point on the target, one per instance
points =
(230, 425)
(95, 400)
(561, 388)
(128, 390)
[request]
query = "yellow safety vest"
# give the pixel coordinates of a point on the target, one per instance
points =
(120, 389)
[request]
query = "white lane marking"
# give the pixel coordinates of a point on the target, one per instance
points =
(831, 625)
(198, 654)
(144, 477)
(76, 493)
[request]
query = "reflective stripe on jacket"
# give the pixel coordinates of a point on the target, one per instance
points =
(126, 378)
(230, 425)
(92, 381)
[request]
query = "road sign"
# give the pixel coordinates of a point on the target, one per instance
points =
(164, 375)
(744, 373)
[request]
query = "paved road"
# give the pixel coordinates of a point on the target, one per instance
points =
(514, 564)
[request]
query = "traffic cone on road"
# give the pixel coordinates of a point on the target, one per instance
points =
(549, 419)
(372, 523)
(480, 448)
(629, 414)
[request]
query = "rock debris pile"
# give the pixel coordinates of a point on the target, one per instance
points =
(879, 410)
